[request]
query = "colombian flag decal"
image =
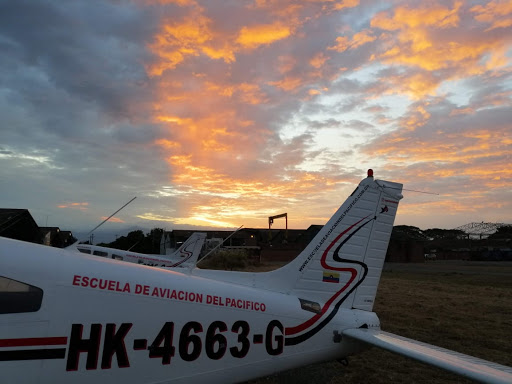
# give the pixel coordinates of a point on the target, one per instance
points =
(331, 277)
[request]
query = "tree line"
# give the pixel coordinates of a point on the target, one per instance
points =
(137, 241)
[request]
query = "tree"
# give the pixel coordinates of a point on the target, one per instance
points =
(502, 232)
(136, 241)
(437, 233)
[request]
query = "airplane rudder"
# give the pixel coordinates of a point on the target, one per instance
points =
(375, 254)
(311, 273)
(351, 247)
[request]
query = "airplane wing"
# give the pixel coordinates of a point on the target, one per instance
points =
(464, 365)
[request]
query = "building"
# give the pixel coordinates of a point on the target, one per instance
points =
(19, 224)
(54, 237)
(406, 245)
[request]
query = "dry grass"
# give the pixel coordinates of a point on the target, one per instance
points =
(470, 312)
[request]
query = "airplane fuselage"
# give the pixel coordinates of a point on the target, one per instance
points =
(151, 325)
(185, 256)
(131, 257)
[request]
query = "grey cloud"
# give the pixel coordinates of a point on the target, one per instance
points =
(85, 50)
(73, 80)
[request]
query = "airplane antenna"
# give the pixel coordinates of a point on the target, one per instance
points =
(428, 193)
(218, 246)
(104, 221)
(410, 190)
(129, 249)
(108, 218)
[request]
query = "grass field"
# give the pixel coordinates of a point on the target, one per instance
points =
(460, 306)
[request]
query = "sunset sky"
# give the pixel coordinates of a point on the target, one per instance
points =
(222, 113)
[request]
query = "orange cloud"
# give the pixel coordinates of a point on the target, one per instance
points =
(288, 83)
(286, 64)
(113, 219)
(190, 37)
(496, 13)
(358, 39)
(339, 5)
(167, 144)
(462, 111)
(197, 34)
(257, 35)
(213, 139)
(361, 38)
(429, 15)
(476, 154)
(251, 94)
(242, 201)
(182, 3)
(318, 60)
(225, 52)
(416, 43)
(244, 92)
(446, 148)
(342, 44)
(79, 206)
(415, 85)
(413, 39)
(416, 119)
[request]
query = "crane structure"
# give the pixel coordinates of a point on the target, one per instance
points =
(271, 221)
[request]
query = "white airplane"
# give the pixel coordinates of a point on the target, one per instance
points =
(81, 319)
(185, 256)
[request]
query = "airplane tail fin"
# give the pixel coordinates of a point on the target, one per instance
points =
(188, 253)
(341, 267)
